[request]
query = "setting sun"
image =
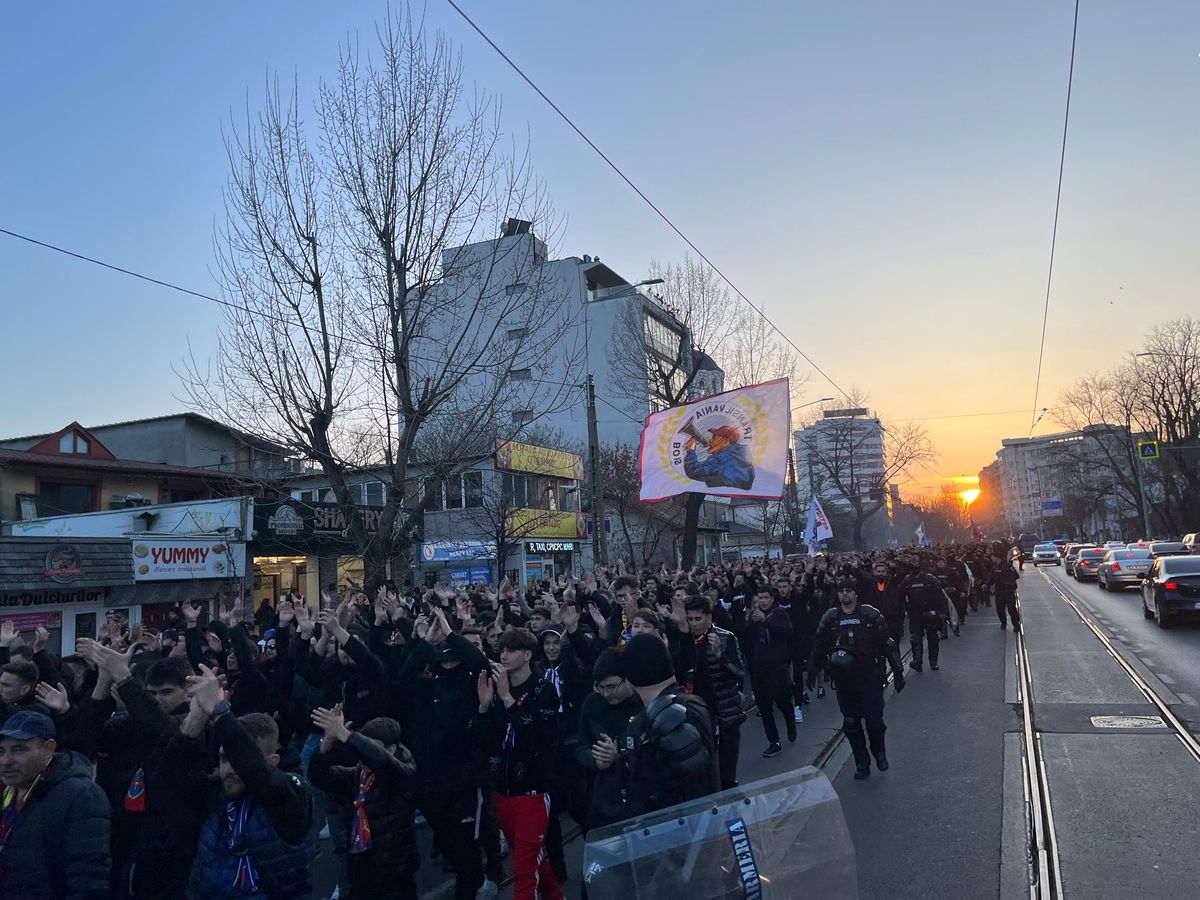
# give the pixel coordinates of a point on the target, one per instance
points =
(969, 496)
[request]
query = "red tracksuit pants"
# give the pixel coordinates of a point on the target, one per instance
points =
(523, 820)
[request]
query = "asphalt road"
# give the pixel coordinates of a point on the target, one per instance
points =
(1172, 655)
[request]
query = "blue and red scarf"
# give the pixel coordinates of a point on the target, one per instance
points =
(360, 829)
(236, 815)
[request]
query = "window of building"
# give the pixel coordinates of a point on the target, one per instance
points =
(243, 459)
(373, 493)
(454, 492)
(73, 442)
(514, 490)
(55, 498)
(180, 495)
(432, 489)
(473, 489)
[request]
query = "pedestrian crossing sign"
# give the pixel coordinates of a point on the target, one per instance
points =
(1148, 449)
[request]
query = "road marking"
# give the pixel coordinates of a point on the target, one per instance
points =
(1164, 677)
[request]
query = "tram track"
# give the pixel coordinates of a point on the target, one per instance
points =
(1046, 881)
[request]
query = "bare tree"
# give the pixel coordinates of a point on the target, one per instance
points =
(647, 529)
(376, 318)
(838, 452)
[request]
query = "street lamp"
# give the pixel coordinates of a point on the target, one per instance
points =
(649, 281)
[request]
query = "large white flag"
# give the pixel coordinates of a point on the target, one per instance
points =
(732, 445)
(817, 528)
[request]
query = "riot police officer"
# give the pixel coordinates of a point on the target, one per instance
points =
(926, 605)
(852, 643)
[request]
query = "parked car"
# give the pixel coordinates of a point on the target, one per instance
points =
(1192, 542)
(1087, 563)
(1122, 568)
(1046, 553)
(1171, 587)
(1168, 548)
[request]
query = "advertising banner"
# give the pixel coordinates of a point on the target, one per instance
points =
(163, 559)
(729, 445)
(538, 460)
(448, 551)
(24, 622)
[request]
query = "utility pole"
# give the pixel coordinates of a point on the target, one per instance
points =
(599, 540)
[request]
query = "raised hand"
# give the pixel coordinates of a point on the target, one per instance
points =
(332, 722)
(304, 619)
(191, 613)
(570, 617)
(287, 613)
(328, 620)
(41, 638)
(206, 690)
(500, 675)
(56, 699)
(8, 634)
(485, 690)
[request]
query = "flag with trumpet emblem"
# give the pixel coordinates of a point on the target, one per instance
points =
(732, 445)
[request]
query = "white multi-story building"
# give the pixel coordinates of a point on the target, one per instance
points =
(590, 321)
(1086, 474)
(841, 455)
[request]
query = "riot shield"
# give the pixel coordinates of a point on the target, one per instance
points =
(781, 837)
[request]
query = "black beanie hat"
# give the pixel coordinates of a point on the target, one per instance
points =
(646, 660)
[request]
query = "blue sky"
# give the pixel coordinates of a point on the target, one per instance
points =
(879, 175)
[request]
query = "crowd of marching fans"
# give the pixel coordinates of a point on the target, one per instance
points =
(206, 760)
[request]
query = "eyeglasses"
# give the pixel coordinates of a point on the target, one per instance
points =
(606, 688)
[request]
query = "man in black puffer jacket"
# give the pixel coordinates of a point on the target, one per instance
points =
(438, 690)
(55, 822)
(717, 679)
(767, 640)
(383, 855)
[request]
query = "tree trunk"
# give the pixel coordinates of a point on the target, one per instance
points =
(691, 528)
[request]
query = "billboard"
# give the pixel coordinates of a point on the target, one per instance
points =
(1052, 507)
(538, 460)
(548, 523)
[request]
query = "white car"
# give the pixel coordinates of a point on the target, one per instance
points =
(1046, 553)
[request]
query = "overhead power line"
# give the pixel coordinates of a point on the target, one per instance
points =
(1062, 159)
(670, 224)
(270, 317)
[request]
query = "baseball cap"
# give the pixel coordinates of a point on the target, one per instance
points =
(27, 725)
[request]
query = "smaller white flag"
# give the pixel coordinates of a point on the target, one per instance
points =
(817, 528)
(921, 534)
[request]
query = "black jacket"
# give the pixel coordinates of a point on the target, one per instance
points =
(438, 705)
(59, 849)
(610, 788)
(520, 741)
(389, 809)
(769, 641)
(718, 679)
(889, 601)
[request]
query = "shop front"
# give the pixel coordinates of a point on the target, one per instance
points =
(65, 586)
(461, 562)
(302, 547)
(547, 559)
(74, 586)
